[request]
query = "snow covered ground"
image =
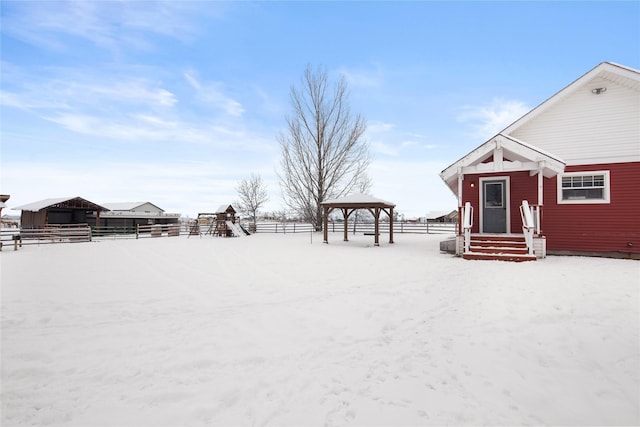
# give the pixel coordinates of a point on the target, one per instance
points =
(279, 330)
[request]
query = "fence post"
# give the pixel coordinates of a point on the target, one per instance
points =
(137, 230)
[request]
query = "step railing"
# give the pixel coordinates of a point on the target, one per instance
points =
(528, 225)
(537, 217)
(467, 224)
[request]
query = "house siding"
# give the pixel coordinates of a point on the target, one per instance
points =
(584, 128)
(580, 228)
(147, 207)
(604, 228)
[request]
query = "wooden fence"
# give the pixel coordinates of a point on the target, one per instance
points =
(157, 230)
(359, 227)
(114, 232)
(49, 234)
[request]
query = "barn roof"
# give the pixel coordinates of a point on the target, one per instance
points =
(127, 206)
(62, 202)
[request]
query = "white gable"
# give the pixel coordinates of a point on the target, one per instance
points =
(596, 119)
(133, 207)
(503, 154)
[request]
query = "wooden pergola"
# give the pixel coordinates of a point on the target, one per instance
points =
(352, 203)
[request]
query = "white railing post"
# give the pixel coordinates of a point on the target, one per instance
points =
(467, 223)
(528, 225)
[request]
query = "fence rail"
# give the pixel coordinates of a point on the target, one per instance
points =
(114, 232)
(83, 233)
(157, 230)
(49, 234)
(359, 227)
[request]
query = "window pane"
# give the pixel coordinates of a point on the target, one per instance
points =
(577, 181)
(566, 181)
(493, 195)
(583, 193)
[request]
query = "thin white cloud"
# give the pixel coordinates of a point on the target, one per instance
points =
(31, 101)
(72, 89)
(488, 120)
(155, 120)
(375, 127)
(363, 78)
(211, 94)
(191, 78)
(146, 129)
(110, 25)
(384, 139)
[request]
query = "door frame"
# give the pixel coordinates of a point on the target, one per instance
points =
(507, 199)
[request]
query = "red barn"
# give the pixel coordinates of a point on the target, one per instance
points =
(575, 160)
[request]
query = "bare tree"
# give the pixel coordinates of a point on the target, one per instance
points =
(253, 195)
(324, 155)
(363, 186)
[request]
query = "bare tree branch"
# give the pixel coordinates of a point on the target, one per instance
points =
(253, 195)
(323, 152)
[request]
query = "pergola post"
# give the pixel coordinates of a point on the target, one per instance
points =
(345, 214)
(391, 225)
(376, 241)
(325, 228)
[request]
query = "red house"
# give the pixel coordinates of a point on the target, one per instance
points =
(574, 160)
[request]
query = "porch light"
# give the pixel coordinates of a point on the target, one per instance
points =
(598, 90)
(473, 184)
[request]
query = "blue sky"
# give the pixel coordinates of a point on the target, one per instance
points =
(176, 102)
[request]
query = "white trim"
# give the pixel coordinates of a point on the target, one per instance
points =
(607, 188)
(507, 196)
(522, 157)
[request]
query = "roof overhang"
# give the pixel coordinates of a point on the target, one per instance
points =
(62, 203)
(357, 201)
(503, 154)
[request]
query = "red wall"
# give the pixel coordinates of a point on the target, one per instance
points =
(522, 187)
(596, 227)
(575, 227)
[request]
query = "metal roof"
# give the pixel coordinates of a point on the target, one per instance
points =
(358, 199)
(127, 206)
(77, 203)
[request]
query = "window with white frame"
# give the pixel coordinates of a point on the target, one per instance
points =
(584, 187)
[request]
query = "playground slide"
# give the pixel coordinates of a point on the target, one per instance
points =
(245, 230)
(237, 231)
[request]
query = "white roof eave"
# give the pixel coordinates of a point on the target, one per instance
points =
(549, 164)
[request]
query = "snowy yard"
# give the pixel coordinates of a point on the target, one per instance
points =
(278, 330)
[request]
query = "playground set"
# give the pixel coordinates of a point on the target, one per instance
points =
(222, 223)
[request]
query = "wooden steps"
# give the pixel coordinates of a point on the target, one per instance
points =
(507, 247)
